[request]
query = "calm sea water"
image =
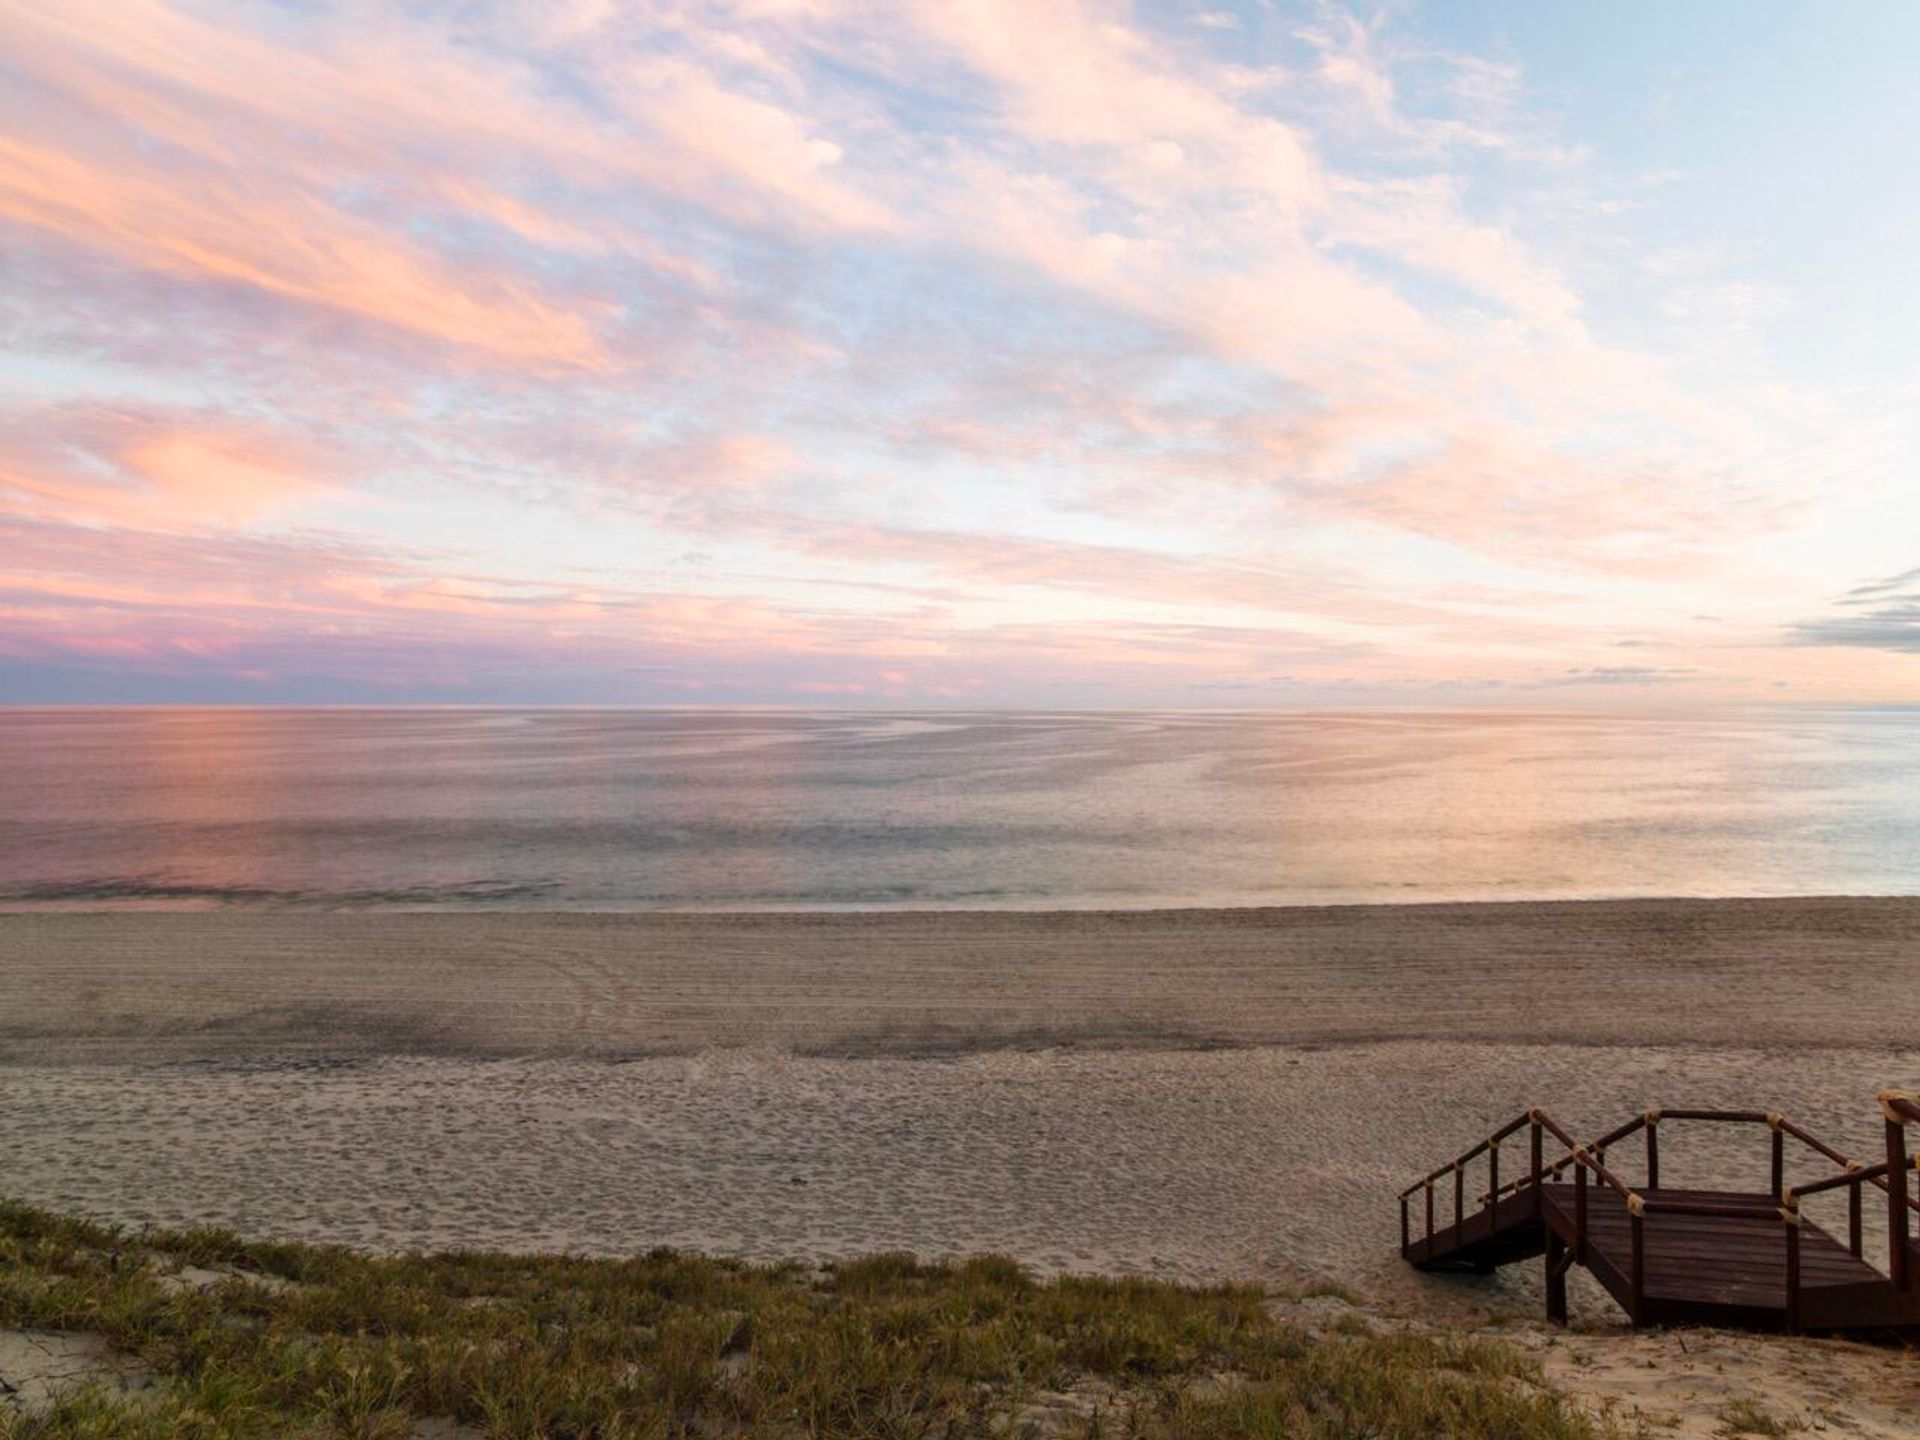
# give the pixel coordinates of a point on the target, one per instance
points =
(631, 809)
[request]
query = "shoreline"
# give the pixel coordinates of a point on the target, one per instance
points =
(244, 903)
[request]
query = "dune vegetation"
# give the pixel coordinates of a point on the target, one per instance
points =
(213, 1336)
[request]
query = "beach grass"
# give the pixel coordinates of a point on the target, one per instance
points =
(235, 1338)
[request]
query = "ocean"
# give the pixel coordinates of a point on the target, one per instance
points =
(639, 809)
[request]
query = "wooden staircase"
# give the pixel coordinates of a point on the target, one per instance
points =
(1682, 1256)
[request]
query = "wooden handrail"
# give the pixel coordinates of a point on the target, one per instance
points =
(1729, 1117)
(1865, 1174)
(1648, 1120)
(1729, 1211)
(1461, 1160)
(1587, 1156)
(1775, 1121)
(1620, 1132)
(1578, 1154)
(1876, 1173)
(1521, 1182)
(1813, 1142)
(1772, 1119)
(1553, 1127)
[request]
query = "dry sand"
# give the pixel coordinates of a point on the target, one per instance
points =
(1696, 1384)
(1197, 1094)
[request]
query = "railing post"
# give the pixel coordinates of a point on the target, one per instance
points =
(1406, 1235)
(1459, 1202)
(1653, 1150)
(1897, 1232)
(1579, 1211)
(1636, 1311)
(1853, 1219)
(1792, 1220)
(1779, 1160)
(1538, 1178)
(1429, 1189)
(1556, 1277)
(1493, 1190)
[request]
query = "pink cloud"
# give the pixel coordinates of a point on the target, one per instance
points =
(185, 605)
(943, 310)
(1081, 73)
(203, 226)
(1500, 491)
(151, 467)
(711, 136)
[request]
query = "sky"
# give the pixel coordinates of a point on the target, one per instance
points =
(959, 352)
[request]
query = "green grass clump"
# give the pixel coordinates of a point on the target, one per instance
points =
(313, 1341)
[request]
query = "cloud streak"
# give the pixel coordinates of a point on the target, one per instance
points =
(1025, 344)
(1879, 615)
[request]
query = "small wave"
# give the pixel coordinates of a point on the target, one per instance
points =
(134, 889)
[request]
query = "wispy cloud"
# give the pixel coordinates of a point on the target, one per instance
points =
(153, 466)
(1879, 615)
(1051, 337)
(1620, 675)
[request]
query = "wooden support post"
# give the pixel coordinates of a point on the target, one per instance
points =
(1429, 1220)
(1556, 1278)
(1579, 1212)
(1537, 1167)
(1636, 1309)
(1779, 1162)
(1897, 1232)
(1459, 1203)
(1853, 1219)
(1793, 1276)
(1493, 1190)
(1406, 1235)
(1653, 1157)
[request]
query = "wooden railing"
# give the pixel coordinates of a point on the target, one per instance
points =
(1898, 1107)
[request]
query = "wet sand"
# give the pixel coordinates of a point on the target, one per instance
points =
(1198, 1094)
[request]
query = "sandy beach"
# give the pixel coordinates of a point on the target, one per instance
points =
(1195, 1094)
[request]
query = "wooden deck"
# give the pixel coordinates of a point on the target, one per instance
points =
(1673, 1256)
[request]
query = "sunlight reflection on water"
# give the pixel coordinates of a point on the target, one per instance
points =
(616, 809)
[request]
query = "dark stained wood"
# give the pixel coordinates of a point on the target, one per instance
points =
(1493, 1184)
(1637, 1275)
(1897, 1203)
(1537, 1143)
(1673, 1256)
(1792, 1301)
(1580, 1214)
(1557, 1255)
(1693, 1266)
